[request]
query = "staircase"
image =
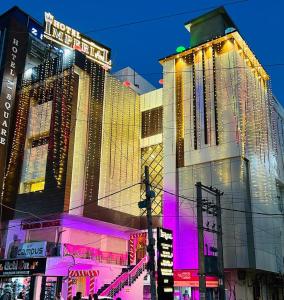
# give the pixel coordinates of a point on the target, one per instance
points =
(126, 278)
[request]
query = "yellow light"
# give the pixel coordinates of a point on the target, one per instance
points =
(37, 186)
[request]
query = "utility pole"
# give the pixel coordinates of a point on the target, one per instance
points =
(201, 258)
(215, 210)
(220, 246)
(147, 203)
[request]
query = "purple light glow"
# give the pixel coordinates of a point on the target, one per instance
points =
(96, 226)
(170, 221)
(181, 218)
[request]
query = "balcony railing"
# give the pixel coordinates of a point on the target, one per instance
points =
(106, 257)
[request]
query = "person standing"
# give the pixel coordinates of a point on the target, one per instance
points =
(8, 292)
(59, 296)
(186, 295)
(78, 296)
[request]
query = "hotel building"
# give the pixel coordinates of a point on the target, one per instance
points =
(75, 140)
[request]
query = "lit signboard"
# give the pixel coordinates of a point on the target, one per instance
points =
(190, 278)
(22, 267)
(165, 264)
(34, 249)
(35, 29)
(68, 37)
(9, 88)
(13, 60)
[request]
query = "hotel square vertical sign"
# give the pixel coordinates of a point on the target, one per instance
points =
(165, 264)
(13, 64)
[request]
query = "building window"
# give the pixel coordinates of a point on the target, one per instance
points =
(153, 158)
(33, 186)
(37, 186)
(152, 122)
(40, 141)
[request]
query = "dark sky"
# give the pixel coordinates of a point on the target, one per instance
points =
(140, 46)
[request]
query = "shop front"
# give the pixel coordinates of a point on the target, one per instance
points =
(186, 284)
(19, 276)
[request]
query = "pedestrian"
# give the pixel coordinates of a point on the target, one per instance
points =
(20, 296)
(8, 292)
(95, 297)
(59, 296)
(186, 295)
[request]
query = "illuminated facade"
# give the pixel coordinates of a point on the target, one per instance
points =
(77, 135)
(74, 145)
(81, 138)
(223, 127)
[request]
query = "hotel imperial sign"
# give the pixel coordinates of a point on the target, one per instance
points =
(66, 36)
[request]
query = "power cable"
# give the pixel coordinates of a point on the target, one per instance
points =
(162, 17)
(222, 208)
(68, 210)
(158, 18)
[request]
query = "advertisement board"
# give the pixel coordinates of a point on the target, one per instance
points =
(165, 264)
(190, 278)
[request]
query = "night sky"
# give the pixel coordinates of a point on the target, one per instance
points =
(139, 46)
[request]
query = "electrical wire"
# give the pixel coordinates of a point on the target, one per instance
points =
(222, 208)
(70, 209)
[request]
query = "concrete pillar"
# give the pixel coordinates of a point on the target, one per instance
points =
(37, 288)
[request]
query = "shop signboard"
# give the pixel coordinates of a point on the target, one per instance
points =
(22, 267)
(190, 278)
(34, 249)
(165, 264)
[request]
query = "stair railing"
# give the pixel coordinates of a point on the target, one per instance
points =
(138, 269)
(126, 278)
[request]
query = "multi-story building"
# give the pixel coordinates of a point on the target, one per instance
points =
(222, 127)
(75, 141)
(72, 148)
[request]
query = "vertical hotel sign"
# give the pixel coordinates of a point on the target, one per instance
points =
(165, 264)
(13, 64)
(8, 88)
(66, 36)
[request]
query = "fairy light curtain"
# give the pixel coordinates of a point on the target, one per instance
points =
(232, 96)
(42, 126)
(95, 115)
(120, 160)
